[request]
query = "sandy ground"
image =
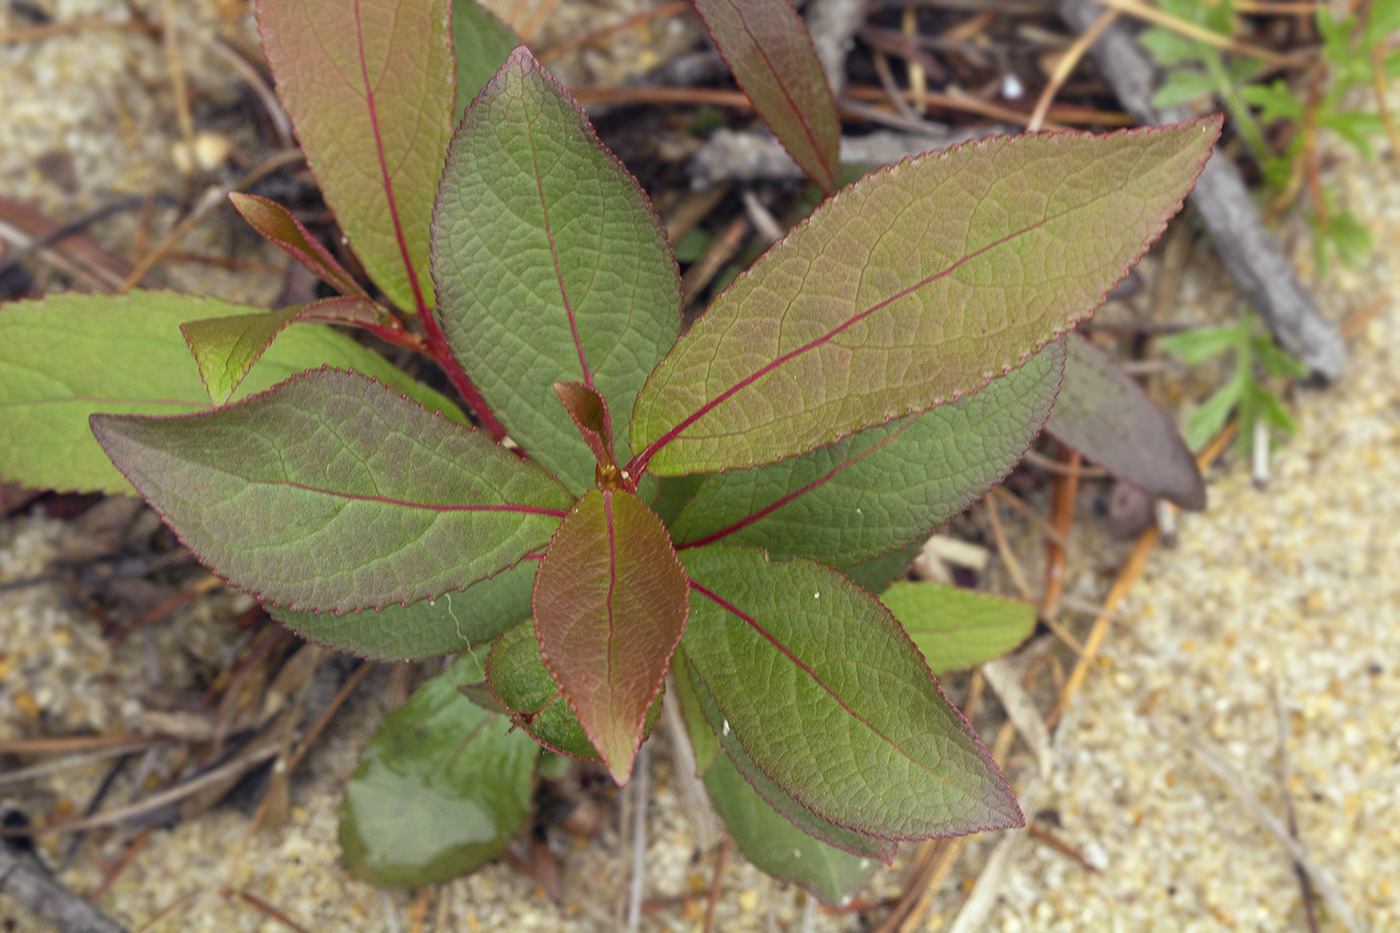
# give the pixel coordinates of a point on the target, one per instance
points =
(1282, 598)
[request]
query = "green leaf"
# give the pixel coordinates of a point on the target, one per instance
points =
(521, 683)
(460, 621)
(69, 356)
(480, 44)
(692, 246)
(369, 88)
(331, 492)
(1208, 420)
(590, 415)
(775, 798)
(1169, 48)
(877, 573)
(1275, 101)
(767, 46)
(1346, 234)
(884, 488)
(225, 348)
(831, 700)
(1278, 363)
(441, 788)
(955, 628)
(1104, 414)
(610, 607)
(702, 735)
(673, 493)
(1195, 346)
(910, 290)
(1356, 128)
(518, 679)
(778, 847)
(1268, 407)
(1183, 86)
(277, 224)
(550, 266)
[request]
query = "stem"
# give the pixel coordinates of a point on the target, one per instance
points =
(436, 347)
(1239, 110)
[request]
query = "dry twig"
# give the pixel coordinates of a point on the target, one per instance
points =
(23, 878)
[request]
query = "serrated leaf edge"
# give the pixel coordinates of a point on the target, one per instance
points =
(660, 681)
(641, 459)
(969, 494)
(253, 593)
(526, 62)
(997, 777)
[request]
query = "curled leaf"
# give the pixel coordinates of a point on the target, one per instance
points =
(225, 348)
(277, 224)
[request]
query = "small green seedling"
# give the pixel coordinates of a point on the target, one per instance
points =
(1243, 390)
(1351, 53)
(673, 502)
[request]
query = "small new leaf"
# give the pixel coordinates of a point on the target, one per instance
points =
(590, 413)
(332, 493)
(610, 608)
(277, 224)
(225, 348)
(843, 326)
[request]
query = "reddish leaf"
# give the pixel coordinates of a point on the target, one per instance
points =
(910, 290)
(277, 224)
(590, 412)
(611, 601)
(332, 492)
(768, 48)
(1104, 414)
(369, 87)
